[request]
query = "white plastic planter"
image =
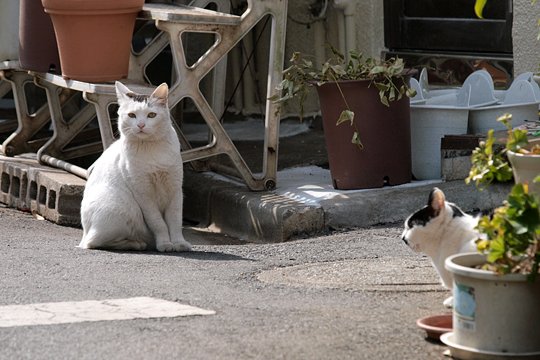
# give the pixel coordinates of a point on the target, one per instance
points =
(521, 100)
(476, 91)
(429, 124)
(447, 113)
(494, 316)
(9, 30)
(473, 108)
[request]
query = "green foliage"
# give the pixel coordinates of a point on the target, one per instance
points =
(513, 234)
(388, 77)
(490, 164)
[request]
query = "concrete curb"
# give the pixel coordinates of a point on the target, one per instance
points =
(286, 213)
(291, 211)
(252, 216)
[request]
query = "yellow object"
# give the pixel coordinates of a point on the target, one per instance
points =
(479, 7)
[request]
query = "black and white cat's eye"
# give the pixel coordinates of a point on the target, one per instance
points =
(151, 115)
(132, 115)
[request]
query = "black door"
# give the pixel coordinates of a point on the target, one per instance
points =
(448, 26)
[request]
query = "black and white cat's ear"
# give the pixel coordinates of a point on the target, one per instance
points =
(122, 91)
(160, 95)
(436, 201)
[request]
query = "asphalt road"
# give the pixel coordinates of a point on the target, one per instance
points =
(349, 295)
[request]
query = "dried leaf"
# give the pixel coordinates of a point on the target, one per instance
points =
(346, 115)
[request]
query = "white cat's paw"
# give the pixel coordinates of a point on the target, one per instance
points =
(182, 246)
(449, 302)
(139, 245)
(165, 247)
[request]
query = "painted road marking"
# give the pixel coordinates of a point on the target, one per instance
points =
(94, 310)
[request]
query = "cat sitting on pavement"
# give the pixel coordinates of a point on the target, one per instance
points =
(441, 229)
(133, 197)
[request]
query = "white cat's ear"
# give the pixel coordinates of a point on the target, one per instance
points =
(436, 201)
(122, 91)
(161, 94)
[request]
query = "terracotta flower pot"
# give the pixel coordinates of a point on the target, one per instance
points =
(94, 36)
(384, 131)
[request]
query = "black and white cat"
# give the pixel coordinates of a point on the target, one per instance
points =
(133, 197)
(441, 229)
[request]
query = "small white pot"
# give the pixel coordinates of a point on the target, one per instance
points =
(525, 168)
(496, 315)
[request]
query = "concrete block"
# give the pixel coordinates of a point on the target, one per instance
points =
(456, 164)
(14, 185)
(57, 196)
(52, 193)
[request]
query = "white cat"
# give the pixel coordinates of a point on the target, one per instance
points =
(441, 229)
(133, 197)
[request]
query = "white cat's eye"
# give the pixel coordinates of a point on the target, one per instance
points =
(132, 115)
(152, 115)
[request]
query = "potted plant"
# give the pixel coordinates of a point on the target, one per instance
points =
(518, 156)
(496, 291)
(94, 37)
(372, 98)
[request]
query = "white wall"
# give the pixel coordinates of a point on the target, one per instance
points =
(313, 39)
(524, 36)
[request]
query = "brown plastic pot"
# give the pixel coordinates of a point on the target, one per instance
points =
(384, 131)
(94, 36)
(37, 43)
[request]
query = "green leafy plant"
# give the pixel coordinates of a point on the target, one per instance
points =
(388, 77)
(512, 235)
(489, 162)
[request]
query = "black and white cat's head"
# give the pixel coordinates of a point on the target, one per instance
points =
(436, 221)
(143, 117)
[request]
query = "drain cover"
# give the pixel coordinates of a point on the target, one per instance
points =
(380, 274)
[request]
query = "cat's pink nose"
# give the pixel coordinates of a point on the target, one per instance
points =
(141, 125)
